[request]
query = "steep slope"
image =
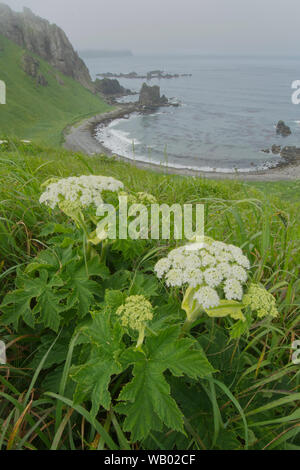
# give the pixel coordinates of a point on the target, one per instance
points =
(46, 40)
(41, 101)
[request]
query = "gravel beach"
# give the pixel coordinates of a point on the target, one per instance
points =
(80, 137)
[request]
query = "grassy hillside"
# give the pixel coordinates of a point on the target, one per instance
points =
(37, 112)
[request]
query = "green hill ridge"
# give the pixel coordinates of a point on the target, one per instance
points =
(37, 112)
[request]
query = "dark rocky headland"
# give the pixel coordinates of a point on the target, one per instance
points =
(148, 76)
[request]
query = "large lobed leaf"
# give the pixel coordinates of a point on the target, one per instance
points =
(54, 282)
(93, 377)
(147, 401)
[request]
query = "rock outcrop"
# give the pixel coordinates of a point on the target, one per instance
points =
(291, 154)
(109, 87)
(283, 129)
(150, 97)
(46, 40)
(31, 66)
(276, 149)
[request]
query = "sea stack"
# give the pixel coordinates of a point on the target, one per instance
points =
(283, 129)
(150, 97)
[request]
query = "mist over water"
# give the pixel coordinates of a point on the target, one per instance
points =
(230, 107)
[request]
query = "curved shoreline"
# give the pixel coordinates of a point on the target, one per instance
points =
(81, 138)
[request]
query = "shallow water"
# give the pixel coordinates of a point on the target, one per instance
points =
(230, 107)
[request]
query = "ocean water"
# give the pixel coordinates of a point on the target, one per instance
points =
(228, 113)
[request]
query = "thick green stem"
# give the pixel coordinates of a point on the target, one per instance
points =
(141, 338)
(107, 424)
(88, 245)
(104, 251)
(186, 326)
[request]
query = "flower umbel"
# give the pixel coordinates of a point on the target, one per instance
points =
(260, 301)
(135, 314)
(83, 191)
(213, 269)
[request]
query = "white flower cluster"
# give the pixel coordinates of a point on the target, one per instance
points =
(82, 190)
(212, 268)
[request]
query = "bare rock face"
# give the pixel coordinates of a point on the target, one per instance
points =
(283, 129)
(150, 96)
(46, 40)
(31, 66)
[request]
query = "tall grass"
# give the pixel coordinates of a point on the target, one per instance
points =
(251, 402)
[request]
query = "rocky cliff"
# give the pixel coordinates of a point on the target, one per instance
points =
(46, 40)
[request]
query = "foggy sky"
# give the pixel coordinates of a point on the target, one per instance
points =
(173, 26)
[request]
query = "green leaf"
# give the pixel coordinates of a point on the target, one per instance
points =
(240, 327)
(96, 268)
(58, 353)
(180, 356)
(144, 284)
(82, 287)
(129, 249)
(51, 228)
(17, 304)
(113, 299)
(52, 259)
(49, 307)
(148, 400)
(93, 378)
(118, 281)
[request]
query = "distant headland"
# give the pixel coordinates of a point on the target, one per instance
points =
(148, 76)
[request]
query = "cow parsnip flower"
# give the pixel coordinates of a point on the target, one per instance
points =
(82, 191)
(260, 301)
(193, 276)
(162, 266)
(212, 276)
(211, 268)
(233, 289)
(135, 314)
(207, 297)
(174, 277)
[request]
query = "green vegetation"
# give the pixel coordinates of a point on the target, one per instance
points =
(221, 384)
(36, 112)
